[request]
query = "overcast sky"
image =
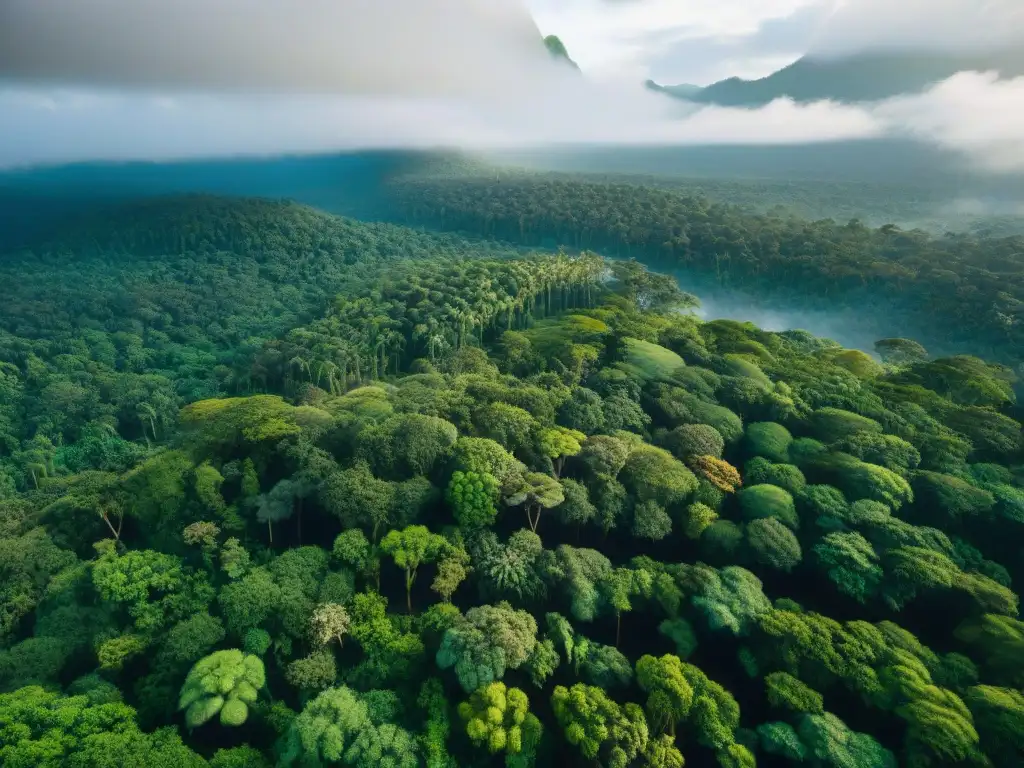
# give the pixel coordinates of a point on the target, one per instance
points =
(159, 79)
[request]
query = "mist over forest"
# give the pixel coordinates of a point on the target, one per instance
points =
(878, 183)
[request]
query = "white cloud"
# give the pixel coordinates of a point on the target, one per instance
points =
(618, 40)
(972, 112)
(942, 25)
(387, 88)
(397, 47)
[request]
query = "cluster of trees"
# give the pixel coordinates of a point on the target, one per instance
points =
(963, 291)
(113, 323)
(527, 511)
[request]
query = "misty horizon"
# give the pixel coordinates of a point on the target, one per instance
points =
(78, 85)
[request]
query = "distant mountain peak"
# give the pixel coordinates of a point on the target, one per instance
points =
(867, 76)
(681, 91)
(558, 50)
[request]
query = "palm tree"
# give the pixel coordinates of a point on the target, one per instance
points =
(146, 413)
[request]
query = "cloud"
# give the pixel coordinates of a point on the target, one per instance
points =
(775, 43)
(398, 47)
(320, 75)
(701, 41)
(938, 25)
(622, 39)
(973, 113)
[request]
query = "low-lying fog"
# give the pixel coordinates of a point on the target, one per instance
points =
(852, 330)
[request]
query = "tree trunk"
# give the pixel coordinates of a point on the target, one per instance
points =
(115, 531)
(409, 578)
(618, 627)
(534, 520)
(270, 530)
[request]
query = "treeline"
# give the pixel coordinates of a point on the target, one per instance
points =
(521, 511)
(962, 291)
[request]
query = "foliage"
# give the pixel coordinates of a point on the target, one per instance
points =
(790, 693)
(773, 544)
(498, 719)
(768, 501)
(472, 496)
(43, 729)
(598, 727)
(224, 683)
(218, 418)
(489, 640)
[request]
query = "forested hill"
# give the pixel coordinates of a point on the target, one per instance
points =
(481, 509)
(869, 76)
(956, 291)
(122, 316)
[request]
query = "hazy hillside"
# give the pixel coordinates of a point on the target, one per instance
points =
(558, 50)
(877, 182)
(864, 77)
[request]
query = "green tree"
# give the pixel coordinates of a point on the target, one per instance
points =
(471, 497)
(224, 683)
(669, 695)
(598, 727)
(655, 474)
(43, 729)
(576, 509)
(313, 673)
(651, 521)
(732, 599)
(452, 569)
(773, 544)
(512, 570)
(336, 728)
(155, 589)
(762, 501)
(489, 640)
(830, 742)
(330, 621)
(768, 439)
(999, 716)
(559, 443)
(410, 548)
(391, 650)
(249, 601)
(661, 752)
(851, 562)
(792, 694)
(999, 641)
(689, 440)
(353, 549)
(498, 718)
(359, 500)
(619, 586)
(536, 493)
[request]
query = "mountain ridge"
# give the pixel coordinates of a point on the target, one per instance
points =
(870, 76)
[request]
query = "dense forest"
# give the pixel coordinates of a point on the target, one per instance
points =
(285, 489)
(937, 208)
(958, 292)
